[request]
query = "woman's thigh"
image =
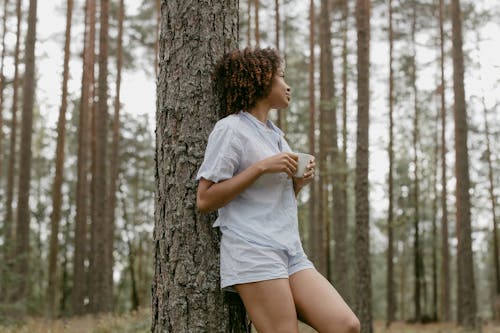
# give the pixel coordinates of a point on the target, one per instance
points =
(270, 305)
(319, 305)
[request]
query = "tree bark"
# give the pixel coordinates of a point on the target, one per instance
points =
(341, 253)
(79, 291)
(445, 307)
(434, 223)
(257, 28)
(249, 18)
(2, 81)
(313, 225)
(115, 151)
(281, 115)
(496, 260)
(186, 289)
(327, 131)
(417, 256)
(55, 217)
(23, 208)
(6, 287)
(362, 241)
(391, 297)
(157, 32)
(466, 291)
(101, 295)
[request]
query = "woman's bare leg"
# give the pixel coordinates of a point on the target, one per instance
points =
(319, 305)
(270, 305)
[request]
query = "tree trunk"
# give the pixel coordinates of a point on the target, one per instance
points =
(341, 252)
(101, 293)
(7, 284)
(391, 297)
(82, 187)
(186, 289)
(340, 260)
(445, 307)
(494, 222)
(313, 217)
(281, 115)
(65, 283)
(249, 18)
(434, 223)
(157, 32)
(466, 291)
(328, 135)
(417, 256)
(362, 242)
(55, 217)
(2, 82)
(115, 156)
(134, 297)
(23, 208)
(257, 29)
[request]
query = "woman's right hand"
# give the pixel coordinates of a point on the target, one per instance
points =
(283, 162)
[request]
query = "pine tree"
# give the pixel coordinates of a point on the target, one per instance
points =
(52, 285)
(186, 290)
(362, 242)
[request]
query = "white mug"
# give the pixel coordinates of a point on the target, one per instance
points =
(303, 161)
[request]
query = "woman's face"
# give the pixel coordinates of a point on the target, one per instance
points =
(280, 95)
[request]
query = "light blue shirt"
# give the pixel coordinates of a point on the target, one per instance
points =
(266, 212)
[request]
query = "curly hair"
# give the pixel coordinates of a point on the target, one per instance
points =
(243, 77)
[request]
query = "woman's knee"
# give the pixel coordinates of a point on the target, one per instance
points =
(348, 324)
(353, 325)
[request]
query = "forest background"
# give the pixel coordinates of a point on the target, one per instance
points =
(132, 267)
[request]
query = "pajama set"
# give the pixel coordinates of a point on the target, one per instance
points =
(260, 235)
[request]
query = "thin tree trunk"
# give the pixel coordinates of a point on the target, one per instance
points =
(157, 32)
(257, 29)
(82, 187)
(313, 218)
(434, 224)
(2, 82)
(65, 283)
(416, 188)
(466, 291)
(101, 295)
(341, 252)
(8, 231)
(134, 297)
(115, 156)
(23, 209)
(494, 222)
(186, 290)
(328, 135)
(281, 115)
(362, 241)
(249, 18)
(52, 285)
(445, 294)
(391, 297)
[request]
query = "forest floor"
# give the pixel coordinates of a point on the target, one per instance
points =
(140, 322)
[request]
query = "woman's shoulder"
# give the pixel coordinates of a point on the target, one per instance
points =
(231, 123)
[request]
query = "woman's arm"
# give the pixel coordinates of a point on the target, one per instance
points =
(212, 196)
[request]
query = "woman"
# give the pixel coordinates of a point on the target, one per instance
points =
(248, 175)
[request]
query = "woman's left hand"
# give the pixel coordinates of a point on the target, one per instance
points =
(308, 177)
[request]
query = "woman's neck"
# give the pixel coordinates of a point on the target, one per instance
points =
(260, 111)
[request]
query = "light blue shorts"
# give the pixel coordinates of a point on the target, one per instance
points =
(243, 261)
